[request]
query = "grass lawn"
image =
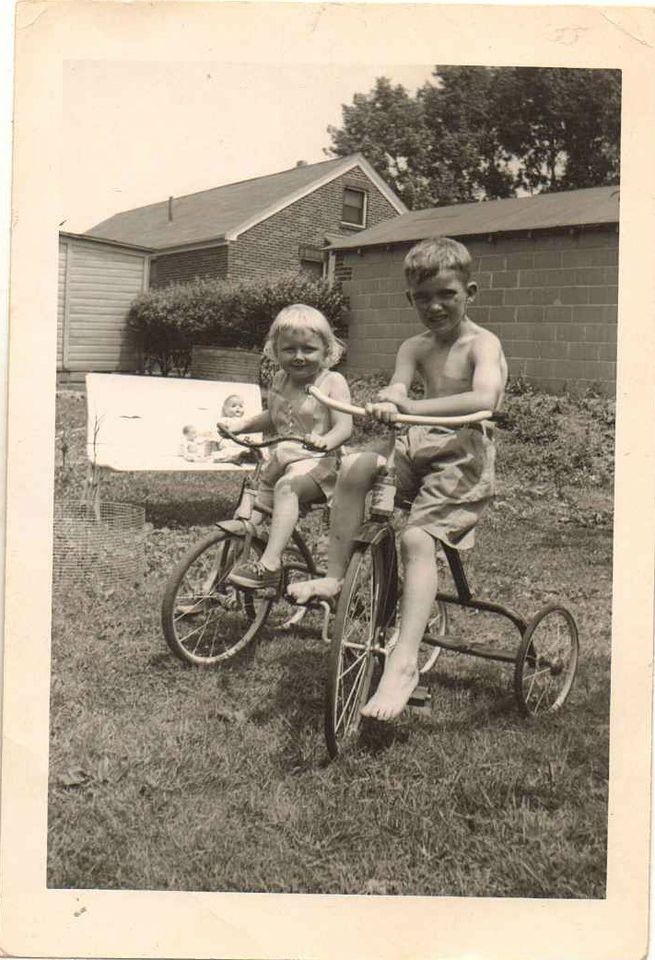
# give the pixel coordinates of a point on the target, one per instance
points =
(166, 777)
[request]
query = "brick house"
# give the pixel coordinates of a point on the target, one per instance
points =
(255, 227)
(547, 270)
(238, 231)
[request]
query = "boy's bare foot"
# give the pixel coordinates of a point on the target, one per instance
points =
(396, 687)
(324, 589)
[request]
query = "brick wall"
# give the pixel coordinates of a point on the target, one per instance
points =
(272, 246)
(552, 300)
(188, 264)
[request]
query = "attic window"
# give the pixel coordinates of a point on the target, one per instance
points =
(354, 207)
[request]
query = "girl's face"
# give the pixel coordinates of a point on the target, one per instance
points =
(233, 407)
(300, 353)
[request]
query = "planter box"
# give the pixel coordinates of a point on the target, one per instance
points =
(223, 363)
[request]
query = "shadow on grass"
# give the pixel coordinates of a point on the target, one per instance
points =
(298, 695)
(378, 736)
(175, 513)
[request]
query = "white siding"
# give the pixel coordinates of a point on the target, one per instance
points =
(61, 302)
(100, 284)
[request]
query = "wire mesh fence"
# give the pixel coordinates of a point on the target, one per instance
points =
(99, 543)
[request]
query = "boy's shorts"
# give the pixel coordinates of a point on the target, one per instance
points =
(449, 477)
(286, 461)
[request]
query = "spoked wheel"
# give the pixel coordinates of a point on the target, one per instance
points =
(428, 650)
(206, 620)
(357, 638)
(546, 661)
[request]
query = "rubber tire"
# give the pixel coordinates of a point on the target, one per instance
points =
(522, 659)
(254, 615)
(365, 558)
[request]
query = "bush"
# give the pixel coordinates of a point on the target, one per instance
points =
(166, 321)
(564, 440)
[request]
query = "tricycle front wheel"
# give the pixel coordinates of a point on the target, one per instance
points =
(206, 620)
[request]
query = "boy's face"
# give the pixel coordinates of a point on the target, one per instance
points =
(440, 302)
(190, 433)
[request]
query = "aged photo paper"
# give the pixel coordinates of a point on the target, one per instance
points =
(55, 37)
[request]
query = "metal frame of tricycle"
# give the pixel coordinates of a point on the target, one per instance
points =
(464, 598)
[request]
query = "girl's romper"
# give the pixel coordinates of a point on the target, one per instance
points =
(298, 418)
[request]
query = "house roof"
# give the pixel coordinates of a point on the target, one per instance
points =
(222, 213)
(85, 238)
(545, 211)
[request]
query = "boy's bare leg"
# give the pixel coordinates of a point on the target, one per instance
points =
(401, 667)
(288, 494)
(355, 480)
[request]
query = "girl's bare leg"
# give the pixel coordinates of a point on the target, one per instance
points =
(288, 494)
(401, 668)
(355, 480)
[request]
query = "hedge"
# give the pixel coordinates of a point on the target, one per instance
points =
(166, 321)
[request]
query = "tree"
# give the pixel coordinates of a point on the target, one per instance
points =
(484, 132)
(467, 159)
(563, 126)
(386, 125)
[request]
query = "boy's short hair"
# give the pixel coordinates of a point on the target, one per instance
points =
(430, 256)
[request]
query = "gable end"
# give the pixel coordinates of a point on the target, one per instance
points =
(349, 164)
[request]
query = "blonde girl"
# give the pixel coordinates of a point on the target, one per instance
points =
(304, 346)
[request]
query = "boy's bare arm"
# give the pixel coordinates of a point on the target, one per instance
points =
(487, 384)
(403, 374)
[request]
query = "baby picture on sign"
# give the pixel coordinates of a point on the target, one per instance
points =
(158, 424)
(320, 645)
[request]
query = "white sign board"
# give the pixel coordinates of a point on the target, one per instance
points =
(160, 423)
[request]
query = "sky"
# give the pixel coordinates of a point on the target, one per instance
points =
(135, 133)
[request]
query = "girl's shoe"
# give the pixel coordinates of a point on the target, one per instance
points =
(254, 575)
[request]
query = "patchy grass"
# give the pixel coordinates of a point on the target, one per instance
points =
(166, 777)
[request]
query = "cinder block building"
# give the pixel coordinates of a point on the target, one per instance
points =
(547, 270)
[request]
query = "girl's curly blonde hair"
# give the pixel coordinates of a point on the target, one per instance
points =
(299, 316)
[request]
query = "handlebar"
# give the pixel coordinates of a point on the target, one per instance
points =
(452, 422)
(270, 442)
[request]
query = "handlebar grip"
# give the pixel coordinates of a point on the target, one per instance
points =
(457, 421)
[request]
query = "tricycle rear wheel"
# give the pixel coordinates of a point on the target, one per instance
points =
(546, 661)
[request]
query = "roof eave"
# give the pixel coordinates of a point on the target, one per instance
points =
(192, 245)
(390, 242)
(107, 240)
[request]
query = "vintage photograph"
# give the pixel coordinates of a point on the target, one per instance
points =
(444, 247)
(330, 523)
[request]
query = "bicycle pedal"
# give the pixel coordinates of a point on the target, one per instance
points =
(266, 593)
(420, 700)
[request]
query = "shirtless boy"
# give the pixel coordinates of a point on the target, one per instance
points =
(449, 477)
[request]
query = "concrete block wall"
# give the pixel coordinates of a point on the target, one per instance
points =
(187, 264)
(551, 298)
(272, 246)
